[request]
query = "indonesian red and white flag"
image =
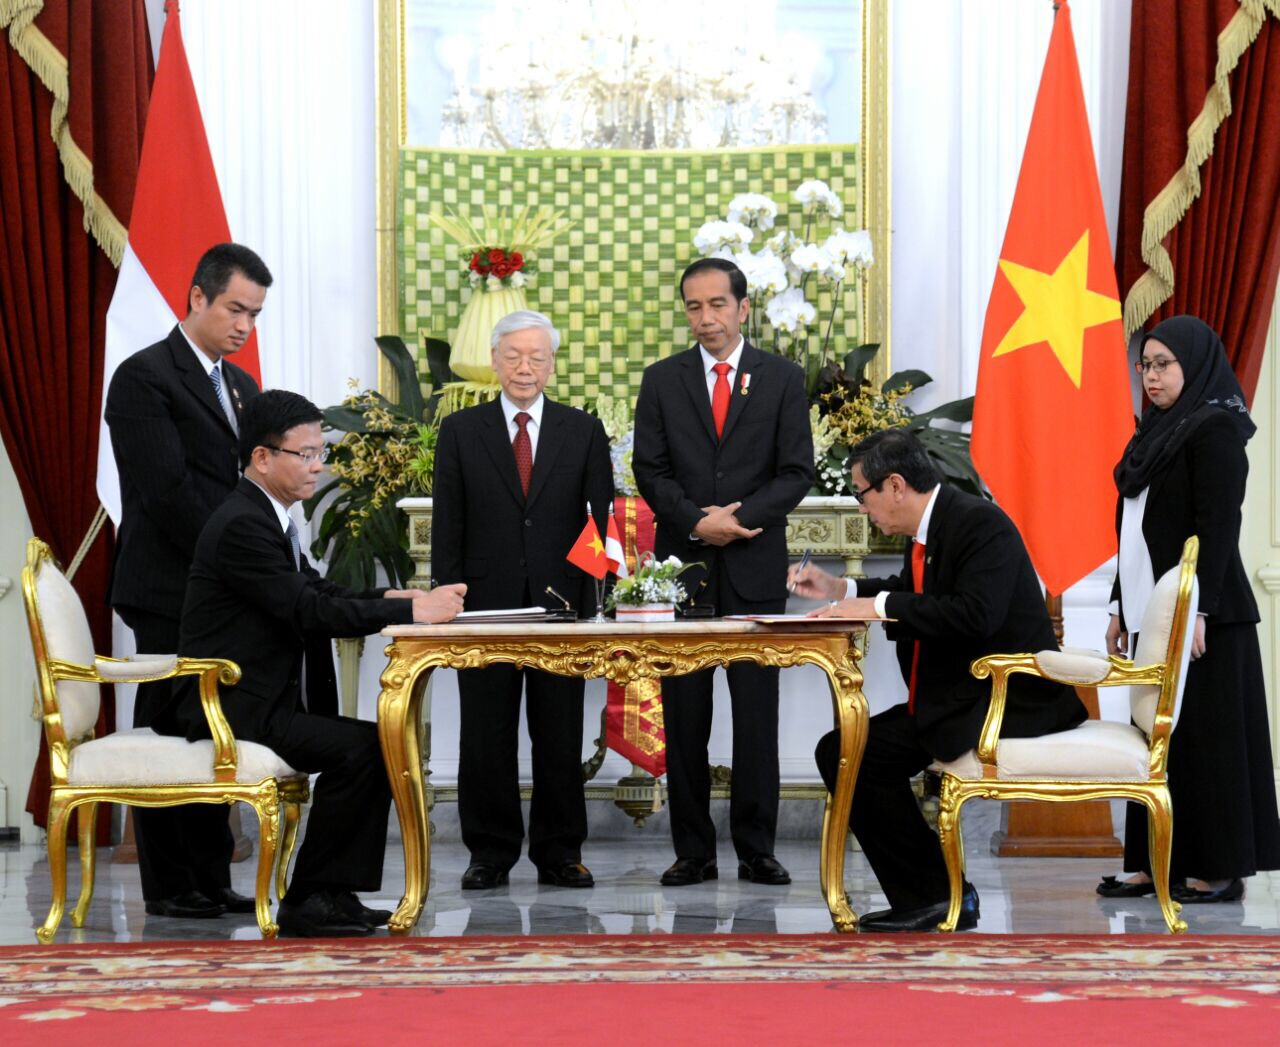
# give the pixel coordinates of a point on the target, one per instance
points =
(177, 216)
(613, 551)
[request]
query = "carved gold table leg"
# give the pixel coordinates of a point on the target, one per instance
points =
(850, 707)
(399, 707)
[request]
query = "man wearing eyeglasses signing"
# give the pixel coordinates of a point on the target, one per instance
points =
(966, 589)
(253, 598)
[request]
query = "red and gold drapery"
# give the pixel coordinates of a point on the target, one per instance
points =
(1201, 183)
(75, 78)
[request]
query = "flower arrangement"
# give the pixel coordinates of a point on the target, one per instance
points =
(786, 269)
(619, 427)
(495, 267)
(654, 582)
(386, 452)
(848, 408)
(499, 244)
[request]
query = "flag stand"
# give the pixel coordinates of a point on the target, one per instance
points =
(599, 618)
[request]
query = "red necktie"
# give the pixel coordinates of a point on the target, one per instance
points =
(524, 451)
(720, 397)
(917, 586)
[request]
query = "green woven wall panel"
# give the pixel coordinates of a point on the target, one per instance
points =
(609, 284)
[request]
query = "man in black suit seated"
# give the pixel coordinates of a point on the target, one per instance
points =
(723, 452)
(252, 597)
(173, 410)
(967, 589)
(512, 484)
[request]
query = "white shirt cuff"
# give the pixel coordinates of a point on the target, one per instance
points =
(882, 598)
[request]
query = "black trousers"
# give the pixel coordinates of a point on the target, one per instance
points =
(686, 711)
(185, 848)
(901, 848)
(488, 772)
(346, 834)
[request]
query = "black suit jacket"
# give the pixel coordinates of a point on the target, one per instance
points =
(1201, 493)
(177, 457)
(980, 596)
(485, 532)
(247, 602)
(764, 459)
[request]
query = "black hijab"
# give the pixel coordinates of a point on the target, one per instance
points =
(1209, 386)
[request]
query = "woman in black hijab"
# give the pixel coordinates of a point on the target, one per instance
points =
(1184, 473)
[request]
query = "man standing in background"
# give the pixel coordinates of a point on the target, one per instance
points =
(513, 480)
(173, 410)
(723, 452)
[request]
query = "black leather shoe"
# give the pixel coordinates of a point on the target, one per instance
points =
(687, 871)
(234, 901)
(566, 874)
(927, 918)
(354, 908)
(482, 876)
(322, 915)
(764, 868)
(190, 905)
(1187, 895)
(1111, 887)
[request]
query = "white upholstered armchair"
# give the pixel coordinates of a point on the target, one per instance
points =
(139, 767)
(1098, 759)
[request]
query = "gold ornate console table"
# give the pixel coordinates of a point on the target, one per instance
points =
(623, 654)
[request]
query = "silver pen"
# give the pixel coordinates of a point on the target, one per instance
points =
(804, 562)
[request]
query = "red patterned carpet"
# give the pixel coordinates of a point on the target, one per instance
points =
(707, 990)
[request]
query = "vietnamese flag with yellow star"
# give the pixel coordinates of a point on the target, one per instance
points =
(588, 551)
(1053, 411)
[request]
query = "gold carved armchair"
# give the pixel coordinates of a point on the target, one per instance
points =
(1098, 759)
(139, 767)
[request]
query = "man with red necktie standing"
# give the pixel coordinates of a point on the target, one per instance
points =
(723, 451)
(513, 478)
(967, 589)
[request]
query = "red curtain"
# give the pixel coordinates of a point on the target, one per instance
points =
(1224, 253)
(56, 277)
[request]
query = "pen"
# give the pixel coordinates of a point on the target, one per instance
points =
(804, 562)
(567, 605)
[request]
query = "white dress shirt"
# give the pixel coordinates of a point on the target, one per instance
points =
(709, 363)
(921, 536)
(282, 514)
(534, 411)
(205, 362)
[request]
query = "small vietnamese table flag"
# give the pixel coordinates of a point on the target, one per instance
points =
(1053, 411)
(588, 551)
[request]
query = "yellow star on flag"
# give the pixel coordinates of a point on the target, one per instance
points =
(597, 546)
(1058, 307)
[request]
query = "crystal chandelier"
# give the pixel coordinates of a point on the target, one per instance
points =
(631, 74)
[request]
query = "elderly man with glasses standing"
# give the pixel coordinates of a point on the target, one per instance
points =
(513, 480)
(967, 589)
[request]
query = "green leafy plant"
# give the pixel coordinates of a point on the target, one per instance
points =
(387, 452)
(848, 408)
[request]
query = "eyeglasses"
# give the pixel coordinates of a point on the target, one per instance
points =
(859, 495)
(308, 457)
(1159, 364)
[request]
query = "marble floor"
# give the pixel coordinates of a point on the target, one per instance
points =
(1019, 895)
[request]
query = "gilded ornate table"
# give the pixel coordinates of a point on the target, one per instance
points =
(621, 653)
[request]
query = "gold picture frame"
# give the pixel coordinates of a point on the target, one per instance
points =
(873, 153)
